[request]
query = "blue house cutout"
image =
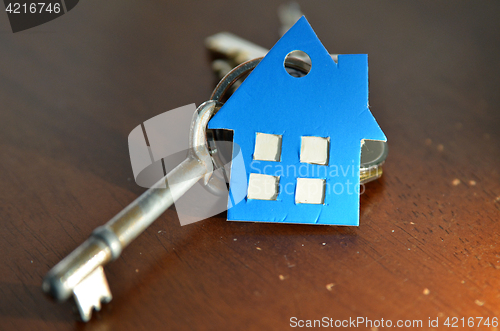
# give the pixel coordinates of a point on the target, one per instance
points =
(281, 122)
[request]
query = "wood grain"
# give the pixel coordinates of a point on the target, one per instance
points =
(427, 245)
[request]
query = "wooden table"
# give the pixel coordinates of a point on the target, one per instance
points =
(427, 246)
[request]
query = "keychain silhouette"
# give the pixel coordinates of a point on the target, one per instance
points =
(300, 137)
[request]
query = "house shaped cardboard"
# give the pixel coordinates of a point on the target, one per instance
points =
(300, 137)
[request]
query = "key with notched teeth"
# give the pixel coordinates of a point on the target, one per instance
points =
(81, 273)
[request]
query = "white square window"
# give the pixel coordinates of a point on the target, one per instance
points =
(267, 147)
(263, 187)
(310, 190)
(314, 150)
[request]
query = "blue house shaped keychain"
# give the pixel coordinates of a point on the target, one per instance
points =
(300, 137)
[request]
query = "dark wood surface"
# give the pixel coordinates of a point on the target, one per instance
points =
(428, 241)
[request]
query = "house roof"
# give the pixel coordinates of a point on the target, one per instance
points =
(331, 100)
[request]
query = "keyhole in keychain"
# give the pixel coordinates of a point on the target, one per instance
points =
(294, 56)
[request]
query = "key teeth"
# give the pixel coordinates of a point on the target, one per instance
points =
(91, 292)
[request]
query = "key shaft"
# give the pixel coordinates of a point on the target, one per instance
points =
(105, 244)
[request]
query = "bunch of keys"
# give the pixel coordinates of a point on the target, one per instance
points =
(80, 275)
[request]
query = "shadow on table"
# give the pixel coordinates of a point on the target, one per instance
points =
(29, 302)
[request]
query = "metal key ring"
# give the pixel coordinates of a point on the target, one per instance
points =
(245, 68)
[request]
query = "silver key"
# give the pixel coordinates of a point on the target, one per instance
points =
(233, 48)
(81, 273)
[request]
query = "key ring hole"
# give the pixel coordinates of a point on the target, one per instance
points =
(294, 56)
